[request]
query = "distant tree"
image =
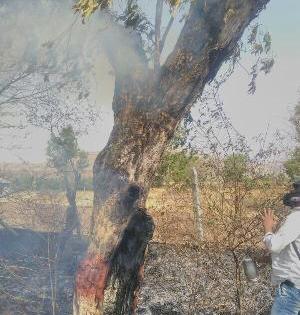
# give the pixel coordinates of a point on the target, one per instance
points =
(295, 120)
(175, 169)
(69, 161)
(177, 160)
(292, 165)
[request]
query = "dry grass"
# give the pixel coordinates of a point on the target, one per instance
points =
(171, 209)
(43, 212)
(195, 277)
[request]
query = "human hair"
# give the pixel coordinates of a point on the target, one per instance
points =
(292, 199)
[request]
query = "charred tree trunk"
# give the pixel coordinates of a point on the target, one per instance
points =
(148, 106)
(121, 228)
(72, 221)
(72, 218)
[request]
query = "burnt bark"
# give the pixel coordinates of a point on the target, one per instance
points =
(148, 106)
(72, 222)
(72, 218)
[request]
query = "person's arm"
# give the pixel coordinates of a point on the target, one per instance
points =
(269, 224)
(287, 233)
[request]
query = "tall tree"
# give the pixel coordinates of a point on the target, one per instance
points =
(69, 161)
(295, 120)
(292, 165)
(149, 102)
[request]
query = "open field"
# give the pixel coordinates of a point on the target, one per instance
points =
(181, 277)
(171, 209)
(172, 213)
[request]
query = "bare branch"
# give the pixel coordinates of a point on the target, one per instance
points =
(164, 37)
(20, 77)
(209, 36)
(158, 17)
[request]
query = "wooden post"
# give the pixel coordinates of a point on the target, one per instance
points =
(197, 206)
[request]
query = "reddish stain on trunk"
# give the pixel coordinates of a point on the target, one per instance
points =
(91, 278)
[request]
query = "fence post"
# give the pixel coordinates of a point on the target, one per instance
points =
(197, 206)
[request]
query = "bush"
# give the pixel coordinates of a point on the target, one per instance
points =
(235, 167)
(292, 165)
(50, 183)
(175, 168)
(23, 181)
(29, 182)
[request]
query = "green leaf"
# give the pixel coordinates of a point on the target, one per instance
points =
(87, 7)
(267, 42)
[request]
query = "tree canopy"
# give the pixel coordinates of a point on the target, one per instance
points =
(64, 153)
(87, 7)
(292, 165)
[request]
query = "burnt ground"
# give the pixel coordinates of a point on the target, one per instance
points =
(31, 275)
(191, 281)
(178, 280)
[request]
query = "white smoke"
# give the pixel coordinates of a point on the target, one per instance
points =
(48, 37)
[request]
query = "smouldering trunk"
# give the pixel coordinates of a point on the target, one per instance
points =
(148, 106)
(72, 221)
(121, 228)
(72, 218)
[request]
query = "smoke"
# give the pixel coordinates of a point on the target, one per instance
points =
(66, 67)
(57, 62)
(48, 36)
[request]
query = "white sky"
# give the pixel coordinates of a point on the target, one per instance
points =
(271, 105)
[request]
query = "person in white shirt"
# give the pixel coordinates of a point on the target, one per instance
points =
(284, 246)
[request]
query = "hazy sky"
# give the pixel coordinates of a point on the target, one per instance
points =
(271, 105)
(277, 92)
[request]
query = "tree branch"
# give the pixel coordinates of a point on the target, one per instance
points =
(158, 17)
(164, 37)
(15, 80)
(208, 38)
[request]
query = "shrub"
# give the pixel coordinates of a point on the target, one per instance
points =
(175, 168)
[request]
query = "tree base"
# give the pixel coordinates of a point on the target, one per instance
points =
(91, 281)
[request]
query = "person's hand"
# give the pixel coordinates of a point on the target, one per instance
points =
(268, 221)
